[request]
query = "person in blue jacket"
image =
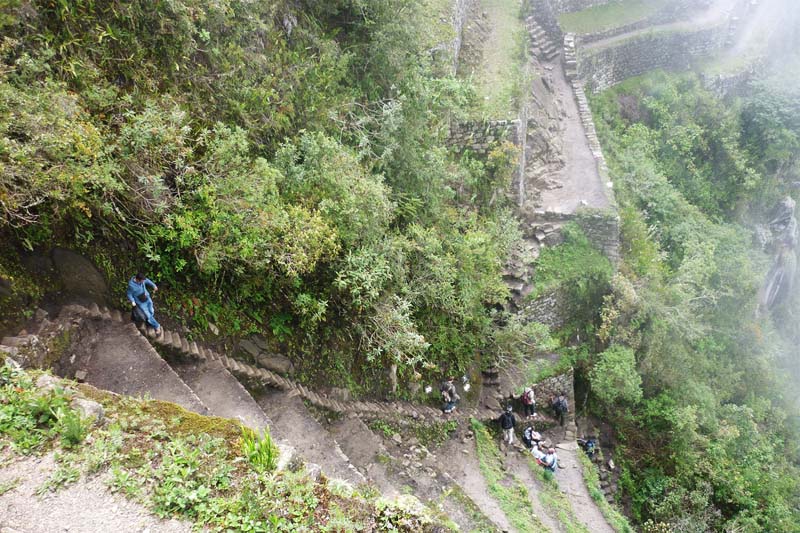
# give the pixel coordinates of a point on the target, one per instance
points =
(138, 295)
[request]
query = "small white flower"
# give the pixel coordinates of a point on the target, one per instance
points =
(610, 184)
(428, 389)
(467, 386)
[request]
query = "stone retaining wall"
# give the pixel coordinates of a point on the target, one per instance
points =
(480, 137)
(604, 68)
(549, 309)
(735, 83)
(601, 227)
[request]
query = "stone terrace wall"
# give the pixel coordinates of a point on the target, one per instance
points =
(480, 137)
(545, 15)
(601, 227)
(549, 309)
(670, 13)
(735, 83)
(604, 68)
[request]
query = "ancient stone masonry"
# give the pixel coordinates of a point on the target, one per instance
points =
(734, 83)
(546, 16)
(601, 227)
(549, 309)
(605, 67)
(481, 137)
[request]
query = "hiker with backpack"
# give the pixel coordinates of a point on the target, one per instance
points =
(561, 407)
(507, 423)
(449, 395)
(529, 402)
(141, 302)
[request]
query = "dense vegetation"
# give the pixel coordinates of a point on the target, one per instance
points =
(692, 378)
(276, 167)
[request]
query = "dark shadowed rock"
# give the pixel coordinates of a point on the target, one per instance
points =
(79, 276)
(5, 287)
(275, 362)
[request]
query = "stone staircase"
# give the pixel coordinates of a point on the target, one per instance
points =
(570, 57)
(541, 45)
(210, 359)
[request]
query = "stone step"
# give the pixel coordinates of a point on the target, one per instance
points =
(123, 361)
(166, 338)
(15, 342)
(176, 340)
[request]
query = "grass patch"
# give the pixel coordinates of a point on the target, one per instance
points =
(612, 15)
(429, 434)
(500, 78)
(508, 490)
(8, 486)
(615, 518)
(553, 499)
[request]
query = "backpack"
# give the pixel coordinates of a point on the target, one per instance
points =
(528, 398)
(138, 314)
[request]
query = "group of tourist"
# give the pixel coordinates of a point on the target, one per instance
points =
(532, 439)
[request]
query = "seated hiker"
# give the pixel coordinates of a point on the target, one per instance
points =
(449, 395)
(550, 460)
(139, 296)
(507, 423)
(530, 436)
(528, 402)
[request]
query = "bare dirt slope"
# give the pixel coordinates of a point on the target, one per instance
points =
(221, 392)
(117, 358)
(84, 507)
(460, 462)
(293, 423)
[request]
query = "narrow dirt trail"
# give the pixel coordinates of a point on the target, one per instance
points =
(464, 469)
(715, 13)
(571, 482)
(517, 463)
